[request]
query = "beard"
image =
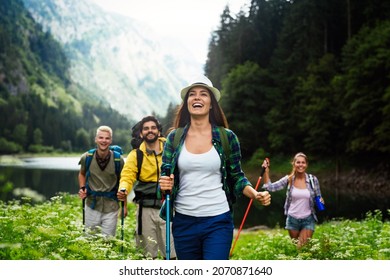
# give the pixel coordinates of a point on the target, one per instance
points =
(151, 140)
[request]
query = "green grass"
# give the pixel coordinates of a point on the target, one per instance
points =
(53, 230)
(335, 240)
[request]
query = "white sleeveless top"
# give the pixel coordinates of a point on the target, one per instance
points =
(200, 192)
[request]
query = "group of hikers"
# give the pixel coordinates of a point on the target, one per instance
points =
(194, 175)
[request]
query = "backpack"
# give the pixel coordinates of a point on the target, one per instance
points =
(136, 139)
(117, 151)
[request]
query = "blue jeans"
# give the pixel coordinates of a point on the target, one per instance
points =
(202, 238)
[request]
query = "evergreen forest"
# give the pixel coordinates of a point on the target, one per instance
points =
(306, 75)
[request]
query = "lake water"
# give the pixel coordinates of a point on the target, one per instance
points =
(42, 177)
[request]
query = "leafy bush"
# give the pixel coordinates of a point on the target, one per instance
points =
(9, 147)
(35, 148)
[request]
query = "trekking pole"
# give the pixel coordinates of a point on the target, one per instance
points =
(122, 219)
(168, 227)
(167, 172)
(247, 210)
(83, 204)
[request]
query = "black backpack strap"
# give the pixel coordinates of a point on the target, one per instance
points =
(140, 158)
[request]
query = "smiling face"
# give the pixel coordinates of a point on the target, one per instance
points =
(300, 164)
(199, 101)
(150, 131)
(103, 140)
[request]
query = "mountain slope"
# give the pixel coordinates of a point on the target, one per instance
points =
(112, 58)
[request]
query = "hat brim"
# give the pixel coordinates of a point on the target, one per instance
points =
(215, 91)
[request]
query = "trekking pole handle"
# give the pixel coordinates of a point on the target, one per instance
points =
(123, 190)
(83, 189)
(264, 168)
(167, 172)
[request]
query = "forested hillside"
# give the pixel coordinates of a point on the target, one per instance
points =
(40, 109)
(307, 76)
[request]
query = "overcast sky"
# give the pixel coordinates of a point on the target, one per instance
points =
(189, 21)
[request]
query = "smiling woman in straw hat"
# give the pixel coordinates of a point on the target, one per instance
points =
(199, 173)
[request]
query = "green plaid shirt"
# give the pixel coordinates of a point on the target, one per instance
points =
(233, 178)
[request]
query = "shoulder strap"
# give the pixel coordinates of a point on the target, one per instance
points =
(140, 158)
(88, 159)
(225, 141)
(312, 184)
(117, 162)
(311, 181)
(178, 134)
